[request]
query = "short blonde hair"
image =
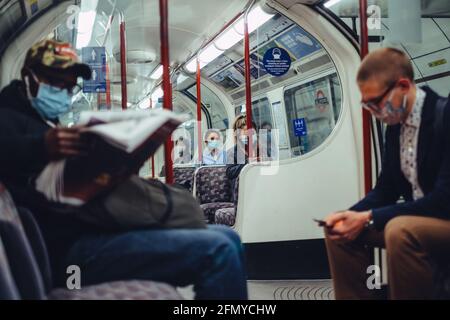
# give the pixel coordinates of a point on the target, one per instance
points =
(386, 65)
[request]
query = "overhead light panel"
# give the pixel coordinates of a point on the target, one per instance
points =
(228, 39)
(144, 104)
(158, 93)
(209, 53)
(157, 73)
(331, 3)
(256, 18)
(86, 20)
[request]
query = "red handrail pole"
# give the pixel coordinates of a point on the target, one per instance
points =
(199, 112)
(123, 62)
(366, 115)
(248, 87)
(108, 88)
(167, 99)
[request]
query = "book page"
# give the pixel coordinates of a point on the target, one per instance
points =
(127, 130)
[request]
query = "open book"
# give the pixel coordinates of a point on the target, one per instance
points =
(119, 142)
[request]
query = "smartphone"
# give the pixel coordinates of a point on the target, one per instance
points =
(321, 223)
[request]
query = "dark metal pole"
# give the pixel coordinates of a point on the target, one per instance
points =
(167, 99)
(123, 62)
(364, 41)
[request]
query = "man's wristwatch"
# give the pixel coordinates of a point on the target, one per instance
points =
(370, 223)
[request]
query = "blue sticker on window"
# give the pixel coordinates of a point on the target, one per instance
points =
(95, 57)
(277, 61)
(300, 129)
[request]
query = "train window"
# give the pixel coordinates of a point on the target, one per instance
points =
(214, 106)
(11, 18)
(261, 112)
(312, 111)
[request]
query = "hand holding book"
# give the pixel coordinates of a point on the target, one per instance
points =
(116, 145)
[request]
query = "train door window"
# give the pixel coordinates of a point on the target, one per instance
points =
(312, 110)
(261, 112)
(214, 106)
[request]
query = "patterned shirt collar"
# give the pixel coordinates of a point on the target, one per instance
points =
(415, 115)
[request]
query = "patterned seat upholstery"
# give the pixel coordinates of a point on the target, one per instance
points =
(27, 272)
(209, 209)
(184, 176)
(119, 290)
(213, 190)
(226, 216)
(212, 185)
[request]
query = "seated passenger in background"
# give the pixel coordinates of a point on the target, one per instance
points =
(182, 151)
(210, 258)
(213, 153)
(237, 156)
(416, 166)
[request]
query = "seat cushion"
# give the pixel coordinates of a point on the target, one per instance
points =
(209, 209)
(120, 290)
(212, 185)
(226, 216)
(184, 177)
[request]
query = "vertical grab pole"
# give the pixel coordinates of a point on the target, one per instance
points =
(167, 100)
(123, 61)
(248, 87)
(108, 88)
(199, 113)
(366, 115)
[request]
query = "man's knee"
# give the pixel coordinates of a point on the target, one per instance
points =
(228, 233)
(400, 232)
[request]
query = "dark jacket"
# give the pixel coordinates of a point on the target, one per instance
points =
(433, 156)
(22, 157)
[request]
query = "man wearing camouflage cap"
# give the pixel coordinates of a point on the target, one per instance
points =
(30, 139)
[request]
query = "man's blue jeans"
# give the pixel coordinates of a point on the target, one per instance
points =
(211, 259)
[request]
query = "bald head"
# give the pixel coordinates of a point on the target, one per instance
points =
(385, 66)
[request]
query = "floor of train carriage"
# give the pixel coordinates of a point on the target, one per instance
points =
(282, 290)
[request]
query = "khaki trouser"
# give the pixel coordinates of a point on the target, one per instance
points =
(411, 243)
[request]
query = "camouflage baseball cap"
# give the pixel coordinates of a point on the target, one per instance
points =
(56, 55)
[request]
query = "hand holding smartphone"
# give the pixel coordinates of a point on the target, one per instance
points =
(321, 223)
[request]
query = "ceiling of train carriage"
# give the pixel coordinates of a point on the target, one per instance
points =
(351, 7)
(191, 23)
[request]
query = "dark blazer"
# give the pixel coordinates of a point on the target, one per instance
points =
(433, 172)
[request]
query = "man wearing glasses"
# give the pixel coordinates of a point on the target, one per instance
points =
(416, 167)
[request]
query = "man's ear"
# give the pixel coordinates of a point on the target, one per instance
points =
(404, 84)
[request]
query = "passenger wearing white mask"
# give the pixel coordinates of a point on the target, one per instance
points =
(213, 154)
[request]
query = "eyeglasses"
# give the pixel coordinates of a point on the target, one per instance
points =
(373, 105)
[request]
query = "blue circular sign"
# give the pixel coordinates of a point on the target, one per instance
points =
(277, 61)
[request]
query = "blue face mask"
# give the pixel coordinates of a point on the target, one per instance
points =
(214, 144)
(51, 102)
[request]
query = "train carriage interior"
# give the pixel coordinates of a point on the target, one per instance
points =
(316, 161)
